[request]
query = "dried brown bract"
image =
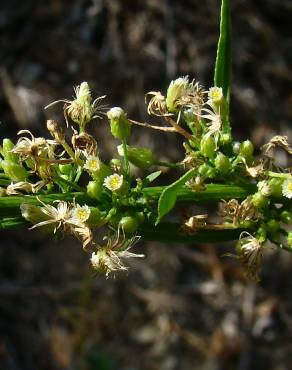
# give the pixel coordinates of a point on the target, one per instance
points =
(250, 252)
(238, 212)
(278, 140)
(84, 143)
(193, 223)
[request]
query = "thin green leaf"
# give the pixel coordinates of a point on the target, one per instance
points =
(168, 197)
(222, 75)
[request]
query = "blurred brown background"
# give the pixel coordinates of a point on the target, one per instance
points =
(182, 307)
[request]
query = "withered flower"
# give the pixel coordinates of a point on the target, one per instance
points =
(108, 259)
(157, 104)
(33, 147)
(238, 212)
(278, 140)
(250, 253)
(84, 143)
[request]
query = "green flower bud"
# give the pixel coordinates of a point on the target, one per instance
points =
(207, 171)
(14, 171)
(276, 187)
(225, 139)
(211, 173)
(208, 146)
(140, 217)
(259, 200)
(7, 146)
(272, 226)
(65, 169)
(286, 217)
(176, 90)
(222, 163)
(236, 147)
(261, 234)
(289, 239)
(129, 224)
(140, 157)
(2, 192)
(94, 189)
(190, 116)
(120, 126)
(203, 169)
(246, 148)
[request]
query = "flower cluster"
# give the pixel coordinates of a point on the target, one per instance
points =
(74, 191)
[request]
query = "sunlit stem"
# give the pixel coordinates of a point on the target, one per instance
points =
(126, 160)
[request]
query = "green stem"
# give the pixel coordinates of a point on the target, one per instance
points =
(172, 233)
(280, 175)
(167, 164)
(69, 183)
(4, 182)
(71, 153)
(126, 160)
(78, 174)
(212, 193)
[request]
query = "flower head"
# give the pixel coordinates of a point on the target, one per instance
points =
(80, 214)
(115, 113)
(83, 93)
(81, 109)
(287, 187)
(215, 94)
(114, 182)
(92, 163)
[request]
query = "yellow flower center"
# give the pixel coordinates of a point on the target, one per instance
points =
(115, 182)
(93, 164)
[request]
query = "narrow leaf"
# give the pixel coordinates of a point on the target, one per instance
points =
(168, 197)
(222, 75)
